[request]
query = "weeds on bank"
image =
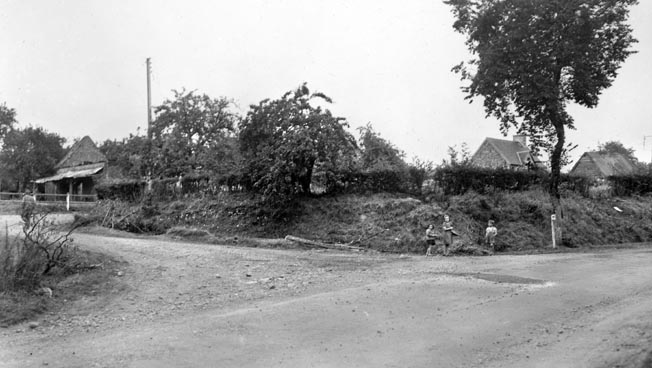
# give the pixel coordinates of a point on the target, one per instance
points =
(27, 258)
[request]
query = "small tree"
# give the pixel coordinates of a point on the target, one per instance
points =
(42, 247)
(419, 171)
(30, 153)
(282, 142)
(532, 58)
(378, 154)
(190, 131)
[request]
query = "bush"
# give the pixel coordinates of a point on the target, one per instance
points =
(393, 181)
(124, 190)
(41, 247)
(628, 185)
(459, 179)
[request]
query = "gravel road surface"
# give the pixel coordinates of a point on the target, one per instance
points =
(176, 304)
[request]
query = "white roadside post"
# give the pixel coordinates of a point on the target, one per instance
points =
(553, 219)
(68, 202)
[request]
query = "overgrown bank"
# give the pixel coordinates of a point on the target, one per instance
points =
(394, 222)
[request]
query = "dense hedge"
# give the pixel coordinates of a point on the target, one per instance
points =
(456, 180)
(631, 185)
(372, 182)
(167, 188)
(123, 190)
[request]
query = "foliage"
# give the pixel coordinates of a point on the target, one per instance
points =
(376, 181)
(457, 180)
(30, 153)
(285, 141)
(378, 154)
(43, 246)
(458, 156)
(533, 57)
(129, 190)
(7, 120)
(418, 172)
(126, 158)
(193, 133)
(629, 185)
(617, 147)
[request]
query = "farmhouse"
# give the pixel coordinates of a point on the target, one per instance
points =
(602, 165)
(501, 153)
(78, 171)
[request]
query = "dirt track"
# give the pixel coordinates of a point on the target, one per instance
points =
(192, 305)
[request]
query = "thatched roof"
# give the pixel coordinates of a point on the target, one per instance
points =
(607, 164)
(84, 152)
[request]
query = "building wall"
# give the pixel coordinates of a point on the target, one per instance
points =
(487, 156)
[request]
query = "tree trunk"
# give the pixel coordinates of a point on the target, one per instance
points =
(555, 177)
(306, 179)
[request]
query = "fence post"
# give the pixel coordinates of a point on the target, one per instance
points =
(68, 202)
(553, 219)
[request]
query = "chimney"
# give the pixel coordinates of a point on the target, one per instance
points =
(522, 139)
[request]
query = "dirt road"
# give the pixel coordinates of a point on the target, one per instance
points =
(178, 304)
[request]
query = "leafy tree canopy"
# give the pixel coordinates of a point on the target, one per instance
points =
(378, 154)
(617, 147)
(126, 157)
(7, 120)
(533, 57)
(30, 153)
(191, 133)
(284, 140)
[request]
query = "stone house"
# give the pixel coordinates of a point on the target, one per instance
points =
(602, 165)
(78, 171)
(502, 153)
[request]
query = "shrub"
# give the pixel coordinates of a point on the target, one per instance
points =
(124, 190)
(378, 181)
(628, 185)
(458, 179)
(41, 247)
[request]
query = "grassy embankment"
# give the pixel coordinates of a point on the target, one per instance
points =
(397, 223)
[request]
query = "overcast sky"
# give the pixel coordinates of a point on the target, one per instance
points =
(78, 67)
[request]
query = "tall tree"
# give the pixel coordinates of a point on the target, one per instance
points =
(190, 129)
(533, 57)
(7, 120)
(283, 140)
(617, 147)
(30, 153)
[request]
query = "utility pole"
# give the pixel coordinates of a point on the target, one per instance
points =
(645, 137)
(149, 99)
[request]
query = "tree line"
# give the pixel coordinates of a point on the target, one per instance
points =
(279, 148)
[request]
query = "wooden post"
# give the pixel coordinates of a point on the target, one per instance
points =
(553, 219)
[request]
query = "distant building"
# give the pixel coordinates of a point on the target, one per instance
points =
(602, 165)
(501, 153)
(78, 171)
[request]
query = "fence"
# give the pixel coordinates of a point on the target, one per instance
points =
(53, 199)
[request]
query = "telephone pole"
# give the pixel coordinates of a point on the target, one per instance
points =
(149, 99)
(646, 137)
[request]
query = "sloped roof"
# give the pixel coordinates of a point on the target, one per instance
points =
(514, 153)
(80, 172)
(83, 152)
(609, 164)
